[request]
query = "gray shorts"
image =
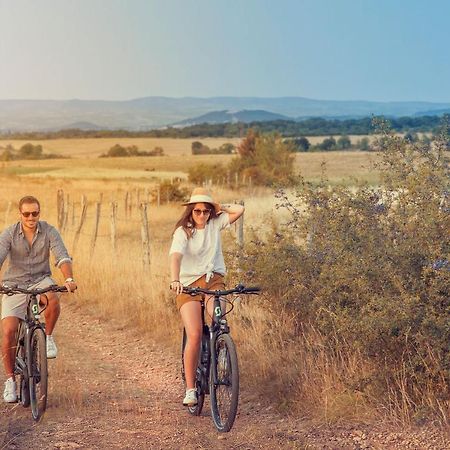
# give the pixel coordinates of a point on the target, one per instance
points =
(16, 305)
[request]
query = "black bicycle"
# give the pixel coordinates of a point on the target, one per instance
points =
(31, 350)
(217, 372)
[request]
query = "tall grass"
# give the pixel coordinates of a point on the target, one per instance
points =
(303, 367)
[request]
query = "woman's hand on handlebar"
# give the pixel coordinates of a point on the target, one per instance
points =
(176, 286)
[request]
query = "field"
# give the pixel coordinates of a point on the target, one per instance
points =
(115, 283)
(85, 163)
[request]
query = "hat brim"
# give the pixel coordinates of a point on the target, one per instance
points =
(203, 199)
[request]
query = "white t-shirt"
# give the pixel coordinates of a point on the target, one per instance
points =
(202, 253)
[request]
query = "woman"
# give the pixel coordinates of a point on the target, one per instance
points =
(196, 259)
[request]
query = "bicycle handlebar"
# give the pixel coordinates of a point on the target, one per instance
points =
(239, 289)
(11, 290)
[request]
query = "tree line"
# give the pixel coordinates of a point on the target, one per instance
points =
(315, 126)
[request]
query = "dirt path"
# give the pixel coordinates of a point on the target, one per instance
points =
(112, 388)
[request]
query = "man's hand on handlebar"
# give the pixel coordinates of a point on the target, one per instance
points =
(71, 286)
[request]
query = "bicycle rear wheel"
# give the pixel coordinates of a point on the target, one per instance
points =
(224, 388)
(39, 374)
(199, 382)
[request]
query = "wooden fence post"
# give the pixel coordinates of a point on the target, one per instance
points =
(98, 206)
(60, 208)
(8, 209)
(145, 236)
(73, 214)
(126, 204)
(66, 214)
(130, 204)
(113, 225)
(240, 228)
(80, 224)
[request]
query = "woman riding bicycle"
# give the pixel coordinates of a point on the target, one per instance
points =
(196, 259)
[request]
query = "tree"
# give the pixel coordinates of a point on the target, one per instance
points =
(328, 144)
(301, 144)
(344, 143)
(364, 144)
(227, 148)
(196, 146)
(30, 151)
(117, 150)
(266, 159)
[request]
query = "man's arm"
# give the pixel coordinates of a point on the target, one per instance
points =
(5, 245)
(63, 260)
(66, 269)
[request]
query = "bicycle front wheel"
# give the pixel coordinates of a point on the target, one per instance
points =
(38, 373)
(224, 383)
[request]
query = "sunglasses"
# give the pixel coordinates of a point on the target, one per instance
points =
(28, 213)
(205, 212)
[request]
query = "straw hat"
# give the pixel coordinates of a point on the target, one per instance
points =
(201, 195)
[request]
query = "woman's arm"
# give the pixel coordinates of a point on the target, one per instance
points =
(234, 211)
(175, 265)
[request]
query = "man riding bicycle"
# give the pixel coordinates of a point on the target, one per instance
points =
(28, 244)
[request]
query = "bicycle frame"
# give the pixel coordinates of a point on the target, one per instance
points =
(25, 331)
(218, 326)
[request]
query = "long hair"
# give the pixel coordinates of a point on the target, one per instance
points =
(187, 222)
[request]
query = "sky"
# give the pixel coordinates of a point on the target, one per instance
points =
(377, 50)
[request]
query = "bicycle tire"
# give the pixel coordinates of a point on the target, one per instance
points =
(24, 390)
(38, 380)
(197, 409)
(224, 392)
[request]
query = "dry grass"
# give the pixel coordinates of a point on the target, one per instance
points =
(340, 166)
(117, 285)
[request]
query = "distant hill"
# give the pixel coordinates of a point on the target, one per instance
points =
(155, 112)
(85, 126)
(436, 112)
(244, 116)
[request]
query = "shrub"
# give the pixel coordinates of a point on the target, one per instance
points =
(118, 150)
(369, 268)
(202, 173)
(170, 192)
(200, 149)
(267, 159)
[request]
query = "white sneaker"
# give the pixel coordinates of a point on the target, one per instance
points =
(191, 397)
(52, 350)
(10, 394)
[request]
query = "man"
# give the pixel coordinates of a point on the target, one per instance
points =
(28, 244)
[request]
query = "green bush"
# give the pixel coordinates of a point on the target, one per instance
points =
(369, 267)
